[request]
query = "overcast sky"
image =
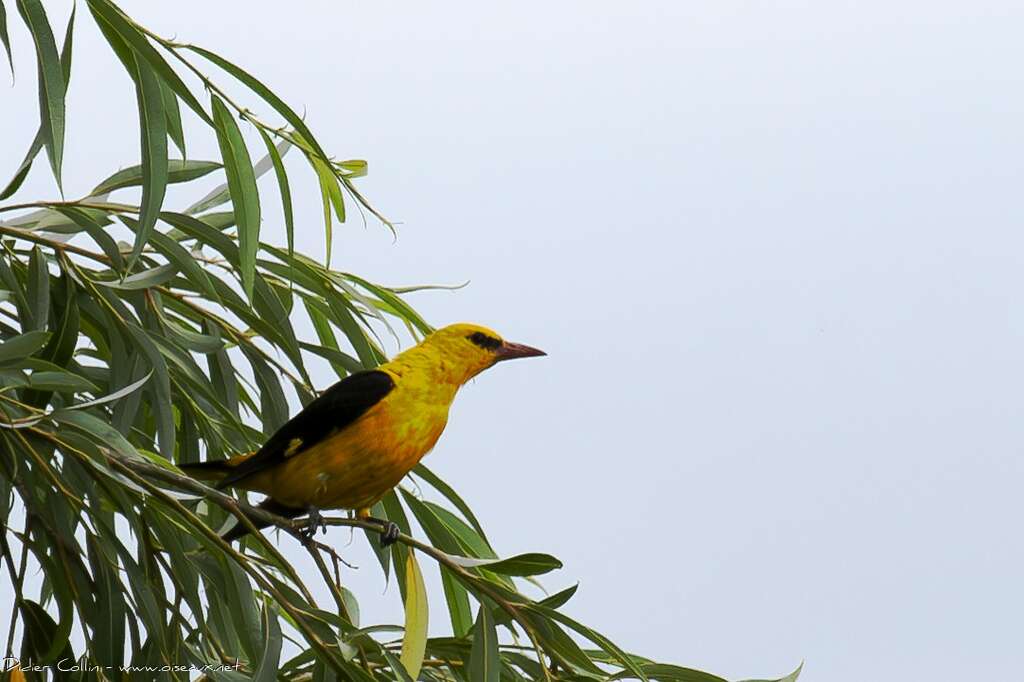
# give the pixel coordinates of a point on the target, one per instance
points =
(774, 250)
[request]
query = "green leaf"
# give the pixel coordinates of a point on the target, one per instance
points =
(193, 341)
(484, 663)
(414, 642)
(111, 19)
(330, 194)
(174, 129)
(146, 279)
(64, 382)
(557, 641)
(399, 670)
(95, 226)
(342, 363)
(273, 404)
(153, 127)
(37, 143)
(23, 345)
(559, 599)
(177, 171)
(43, 641)
(222, 372)
(245, 196)
(103, 432)
(597, 638)
(282, 183)
(108, 640)
(26, 165)
(459, 610)
(672, 673)
(161, 388)
(195, 228)
(519, 565)
(221, 193)
(38, 290)
(51, 82)
(401, 308)
(61, 346)
(267, 669)
(176, 254)
(5, 39)
(355, 334)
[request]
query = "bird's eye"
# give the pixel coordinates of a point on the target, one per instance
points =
(484, 341)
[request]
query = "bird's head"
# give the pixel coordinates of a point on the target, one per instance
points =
(470, 349)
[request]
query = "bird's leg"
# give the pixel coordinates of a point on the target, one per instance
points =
(315, 521)
(389, 529)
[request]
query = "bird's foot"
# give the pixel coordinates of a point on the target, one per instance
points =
(389, 532)
(314, 522)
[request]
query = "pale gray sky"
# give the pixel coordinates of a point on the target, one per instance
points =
(774, 251)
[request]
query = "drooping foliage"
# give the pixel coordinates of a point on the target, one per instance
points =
(137, 336)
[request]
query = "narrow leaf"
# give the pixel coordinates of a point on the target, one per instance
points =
(267, 670)
(221, 194)
(177, 171)
(459, 610)
(146, 279)
(484, 664)
(37, 143)
(245, 196)
(282, 183)
(153, 127)
(5, 39)
(558, 599)
(43, 641)
(330, 196)
(414, 643)
(520, 565)
(23, 345)
(60, 381)
(173, 112)
(51, 82)
(38, 289)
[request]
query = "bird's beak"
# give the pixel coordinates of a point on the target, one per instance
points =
(511, 351)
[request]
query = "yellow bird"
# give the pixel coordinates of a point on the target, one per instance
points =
(360, 437)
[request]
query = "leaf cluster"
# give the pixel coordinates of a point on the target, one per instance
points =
(137, 337)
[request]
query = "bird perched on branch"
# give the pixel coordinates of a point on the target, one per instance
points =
(360, 437)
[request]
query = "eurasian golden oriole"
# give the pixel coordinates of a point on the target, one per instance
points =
(358, 439)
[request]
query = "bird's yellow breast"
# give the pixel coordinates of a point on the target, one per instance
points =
(354, 467)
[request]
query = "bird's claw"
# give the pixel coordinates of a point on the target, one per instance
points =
(390, 533)
(314, 522)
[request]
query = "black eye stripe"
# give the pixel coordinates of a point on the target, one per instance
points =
(484, 341)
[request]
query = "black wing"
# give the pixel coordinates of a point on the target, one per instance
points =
(335, 408)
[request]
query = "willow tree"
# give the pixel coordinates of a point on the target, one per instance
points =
(138, 336)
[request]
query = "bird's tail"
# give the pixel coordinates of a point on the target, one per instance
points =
(207, 471)
(214, 470)
(271, 505)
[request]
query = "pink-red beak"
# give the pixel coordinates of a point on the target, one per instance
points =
(510, 351)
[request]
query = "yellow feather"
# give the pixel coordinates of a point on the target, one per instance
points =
(354, 467)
